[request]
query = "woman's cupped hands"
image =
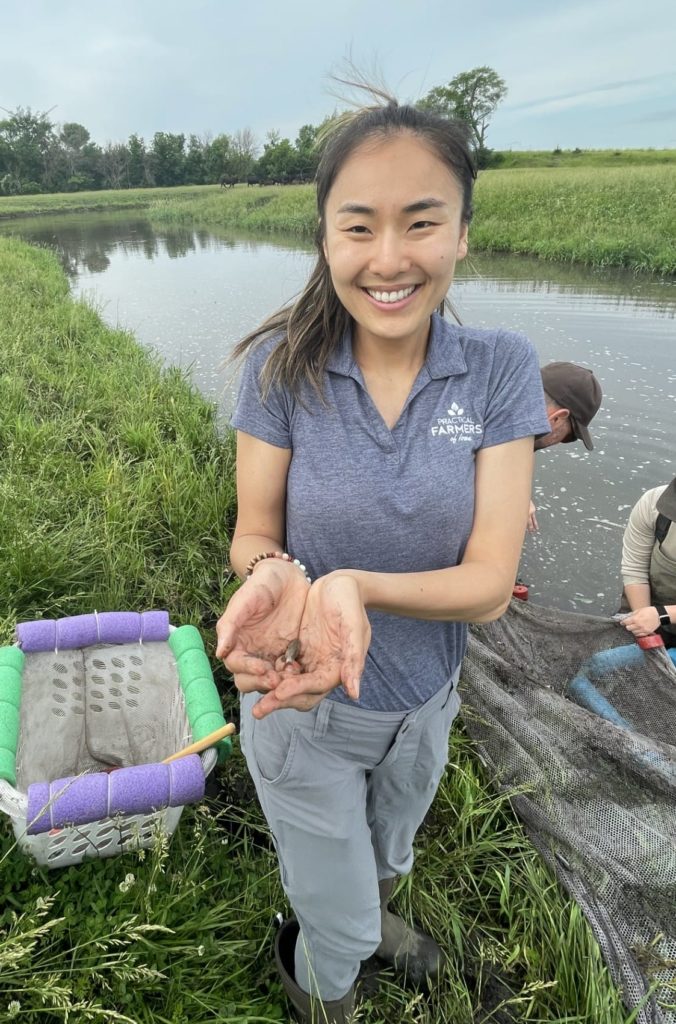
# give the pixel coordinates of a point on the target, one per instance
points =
(275, 607)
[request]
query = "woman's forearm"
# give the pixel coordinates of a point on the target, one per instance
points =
(470, 592)
(246, 546)
(638, 595)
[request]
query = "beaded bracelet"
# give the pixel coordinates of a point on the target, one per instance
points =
(274, 554)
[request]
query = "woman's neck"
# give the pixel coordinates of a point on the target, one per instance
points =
(391, 358)
(389, 368)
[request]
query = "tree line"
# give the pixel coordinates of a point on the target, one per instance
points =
(38, 155)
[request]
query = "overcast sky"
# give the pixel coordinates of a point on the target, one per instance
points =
(587, 73)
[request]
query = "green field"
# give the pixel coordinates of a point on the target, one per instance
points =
(620, 217)
(585, 158)
(117, 492)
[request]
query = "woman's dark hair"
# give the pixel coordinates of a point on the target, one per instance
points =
(313, 325)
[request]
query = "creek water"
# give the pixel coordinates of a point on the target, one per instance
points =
(191, 294)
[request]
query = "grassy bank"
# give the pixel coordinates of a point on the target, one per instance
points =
(95, 202)
(621, 217)
(116, 488)
(117, 492)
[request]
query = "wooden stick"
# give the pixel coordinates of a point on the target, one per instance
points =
(208, 741)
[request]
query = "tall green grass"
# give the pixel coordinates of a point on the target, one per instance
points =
(288, 209)
(93, 202)
(116, 490)
(168, 936)
(597, 216)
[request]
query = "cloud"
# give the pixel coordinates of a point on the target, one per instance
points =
(607, 94)
(119, 46)
(656, 117)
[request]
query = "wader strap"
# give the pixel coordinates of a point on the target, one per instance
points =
(662, 528)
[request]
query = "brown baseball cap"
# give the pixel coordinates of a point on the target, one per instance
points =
(577, 389)
(666, 503)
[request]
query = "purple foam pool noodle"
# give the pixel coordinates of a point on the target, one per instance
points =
(130, 627)
(151, 786)
(85, 630)
(37, 814)
(186, 780)
(73, 800)
(57, 634)
(139, 789)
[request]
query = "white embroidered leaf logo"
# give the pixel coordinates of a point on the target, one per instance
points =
(455, 410)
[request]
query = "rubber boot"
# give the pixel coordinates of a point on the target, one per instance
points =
(309, 1009)
(409, 950)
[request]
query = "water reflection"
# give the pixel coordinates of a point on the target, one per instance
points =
(524, 276)
(192, 294)
(85, 243)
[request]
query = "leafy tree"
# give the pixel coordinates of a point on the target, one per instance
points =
(308, 156)
(279, 161)
(78, 159)
(9, 186)
(195, 163)
(25, 139)
(245, 147)
(219, 155)
(137, 162)
(74, 136)
(167, 158)
(472, 96)
(56, 169)
(115, 165)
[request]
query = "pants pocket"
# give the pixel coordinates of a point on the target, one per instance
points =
(273, 746)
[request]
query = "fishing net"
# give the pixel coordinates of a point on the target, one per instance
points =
(583, 724)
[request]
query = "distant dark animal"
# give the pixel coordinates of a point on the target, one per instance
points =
(227, 180)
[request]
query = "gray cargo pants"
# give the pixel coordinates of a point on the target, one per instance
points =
(344, 791)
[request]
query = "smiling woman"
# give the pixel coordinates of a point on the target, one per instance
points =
(403, 533)
(391, 258)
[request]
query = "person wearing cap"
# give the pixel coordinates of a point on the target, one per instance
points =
(573, 396)
(649, 565)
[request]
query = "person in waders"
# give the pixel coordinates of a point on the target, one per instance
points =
(649, 565)
(384, 465)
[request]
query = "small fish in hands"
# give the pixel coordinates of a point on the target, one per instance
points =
(287, 664)
(292, 652)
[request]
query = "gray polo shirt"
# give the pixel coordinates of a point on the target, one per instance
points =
(360, 495)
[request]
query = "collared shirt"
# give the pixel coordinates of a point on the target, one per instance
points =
(361, 495)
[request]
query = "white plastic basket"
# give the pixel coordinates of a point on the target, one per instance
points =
(97, 707)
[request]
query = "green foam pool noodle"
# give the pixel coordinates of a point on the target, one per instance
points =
(9, 735)
(202, 702)
(11, 667)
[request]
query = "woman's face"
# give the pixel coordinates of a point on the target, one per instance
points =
(393, 235)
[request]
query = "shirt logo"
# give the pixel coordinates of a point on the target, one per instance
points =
(456, 426)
